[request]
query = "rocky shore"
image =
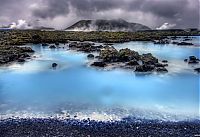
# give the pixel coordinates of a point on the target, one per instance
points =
(13, 53)
(90, 128)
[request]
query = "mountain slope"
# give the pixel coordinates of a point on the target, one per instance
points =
(107, 25)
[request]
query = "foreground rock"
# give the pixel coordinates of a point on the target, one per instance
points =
(12, 53)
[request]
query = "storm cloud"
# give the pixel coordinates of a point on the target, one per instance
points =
(62, 13)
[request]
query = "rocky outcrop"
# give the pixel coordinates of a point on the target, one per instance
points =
(12, 53)
(130, 59)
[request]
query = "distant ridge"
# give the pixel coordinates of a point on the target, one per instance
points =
(107, 25)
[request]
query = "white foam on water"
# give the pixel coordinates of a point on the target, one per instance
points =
(103, 115)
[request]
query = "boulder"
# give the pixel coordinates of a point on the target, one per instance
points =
(161, 69)
(126, 55)
(165, 61)
(90, 56)
(54, 65)
(52, 47)
(197, 70)
(193, 60)
(144, 68)
(149, 59)
(45, 44)
(57, 43)
(98, 64)
(109, 54)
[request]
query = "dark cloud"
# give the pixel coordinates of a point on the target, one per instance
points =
(51, 9)
(154, 13)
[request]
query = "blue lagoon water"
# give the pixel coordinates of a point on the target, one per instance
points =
(34, 89)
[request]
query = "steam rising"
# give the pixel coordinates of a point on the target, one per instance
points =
(166, 26)
(20, 24)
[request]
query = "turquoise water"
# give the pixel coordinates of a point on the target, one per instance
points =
(34, 89)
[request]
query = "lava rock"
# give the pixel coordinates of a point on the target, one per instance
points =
(98, 64)
(197, 70)
(57, 43)
(161, 69)
(149, 59)
(165, 61)
(52, 47)
(90, 56)
(125, 55)
(54, 65)
(184, 43)
(21, 60)
(132, 63)
(45, 44)
(144, 68)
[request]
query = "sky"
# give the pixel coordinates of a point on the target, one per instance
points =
(59, 14)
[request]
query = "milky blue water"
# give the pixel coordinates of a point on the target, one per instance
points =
(35, 89)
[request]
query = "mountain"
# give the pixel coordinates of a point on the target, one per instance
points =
(107, 25)
(43, 28)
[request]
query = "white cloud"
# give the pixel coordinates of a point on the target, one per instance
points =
(166, 26)
(20, 24)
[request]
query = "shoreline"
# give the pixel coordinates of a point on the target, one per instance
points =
(127, 127)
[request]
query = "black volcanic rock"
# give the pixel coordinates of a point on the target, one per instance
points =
(107, 25)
